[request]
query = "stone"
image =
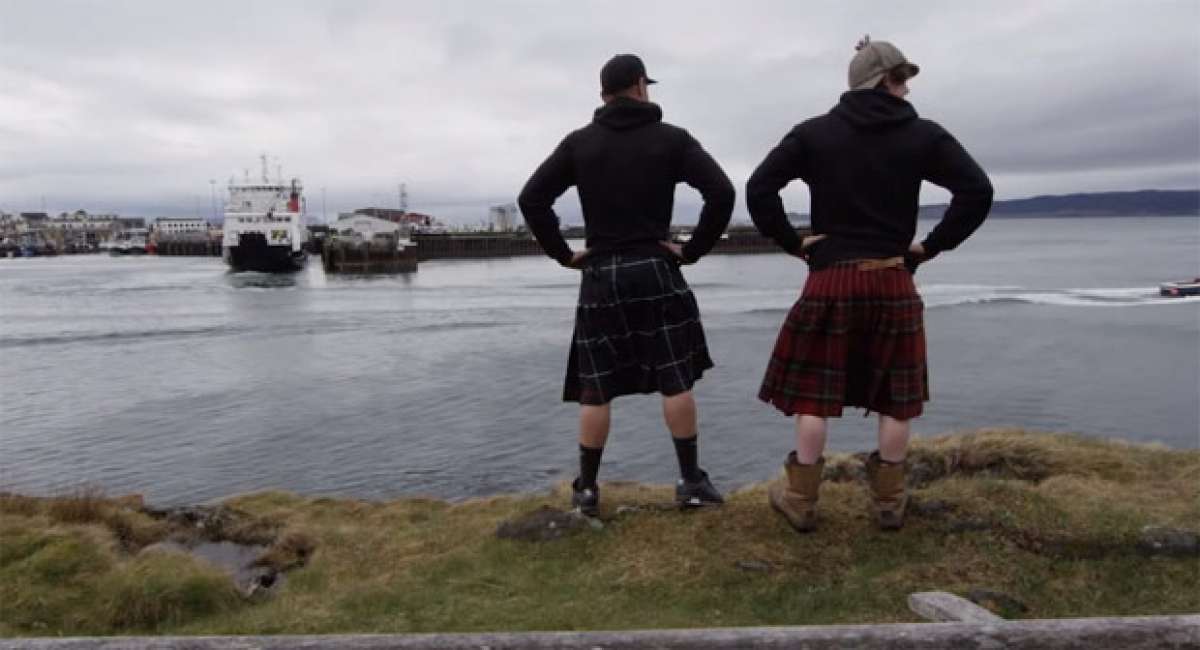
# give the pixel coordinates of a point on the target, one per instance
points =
(1173, 542)
(941, 606)
(258, 582)
(997, 602)
(543, 525)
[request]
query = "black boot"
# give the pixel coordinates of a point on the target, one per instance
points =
(586, 500)
(697, 494)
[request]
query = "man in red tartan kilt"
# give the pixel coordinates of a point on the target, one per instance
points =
(856, 335)
(637, 324)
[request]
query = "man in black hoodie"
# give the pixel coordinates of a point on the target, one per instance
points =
(637, 325)
(856, 336)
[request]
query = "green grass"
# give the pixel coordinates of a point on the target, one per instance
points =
(1055, 522)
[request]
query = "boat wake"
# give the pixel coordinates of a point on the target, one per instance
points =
(943, 296)
(951, 295)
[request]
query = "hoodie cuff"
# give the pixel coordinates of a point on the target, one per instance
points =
(931, 250)
(686, 256)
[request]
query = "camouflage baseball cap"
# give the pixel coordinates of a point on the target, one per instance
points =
(873, 60)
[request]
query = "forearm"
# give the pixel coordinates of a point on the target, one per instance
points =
(543, 223)
(966, 212)
(714, 218)
(768, 215)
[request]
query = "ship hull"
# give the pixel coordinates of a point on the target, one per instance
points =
(254, 254)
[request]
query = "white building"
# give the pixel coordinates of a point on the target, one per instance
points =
(361, 227)
(504, 218)
(82, 222)
(181, 227)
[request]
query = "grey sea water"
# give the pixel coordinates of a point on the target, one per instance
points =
(174, 378)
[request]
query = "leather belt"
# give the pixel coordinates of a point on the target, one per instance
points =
(879, 264)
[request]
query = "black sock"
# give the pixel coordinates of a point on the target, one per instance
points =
(687, 451)
(589, 465)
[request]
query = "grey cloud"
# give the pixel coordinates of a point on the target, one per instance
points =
(136, 105)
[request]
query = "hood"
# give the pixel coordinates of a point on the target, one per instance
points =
(623, 113)
(873, 109)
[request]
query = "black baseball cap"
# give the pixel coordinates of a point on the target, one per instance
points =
(621, 72)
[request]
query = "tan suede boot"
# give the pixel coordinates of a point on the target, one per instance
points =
(795, 497)
(888, 495)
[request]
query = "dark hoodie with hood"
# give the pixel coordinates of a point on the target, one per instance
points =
(864, 162)
(625, 165)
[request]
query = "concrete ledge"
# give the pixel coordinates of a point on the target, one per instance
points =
(1091, 633)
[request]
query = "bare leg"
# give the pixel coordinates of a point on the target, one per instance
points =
(810, 438)
(593, 425)
(680, 413)
(893, 438)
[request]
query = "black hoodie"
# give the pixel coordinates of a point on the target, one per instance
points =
(864, 162)
(626, 164)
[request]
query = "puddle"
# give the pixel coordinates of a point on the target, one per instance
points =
(235, 559)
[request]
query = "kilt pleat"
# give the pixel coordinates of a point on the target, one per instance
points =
(637, 330)
(854, 338)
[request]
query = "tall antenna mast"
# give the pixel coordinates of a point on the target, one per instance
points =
(404, 197)
(263, 158)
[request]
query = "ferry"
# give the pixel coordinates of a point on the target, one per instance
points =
(1177, 289)
(264, 226)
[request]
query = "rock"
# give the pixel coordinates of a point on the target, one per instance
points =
(258, 582)
(206, 518)
(1174, 542)
(997, 602)
(944, 607)
(628, 510)
(215, 523)
(543, 525)
(756, 566)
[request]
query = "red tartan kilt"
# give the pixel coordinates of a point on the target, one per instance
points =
(854, 338)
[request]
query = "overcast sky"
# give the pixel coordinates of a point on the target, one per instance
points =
(134, 106)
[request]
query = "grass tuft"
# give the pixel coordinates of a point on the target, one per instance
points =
(164, 589)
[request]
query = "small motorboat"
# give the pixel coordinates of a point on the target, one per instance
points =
(1176, 289)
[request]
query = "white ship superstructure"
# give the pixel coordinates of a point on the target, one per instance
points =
(264, 224)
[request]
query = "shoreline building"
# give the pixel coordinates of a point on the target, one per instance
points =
(504, 218)
(361, 228)
(409, 222)
(79, 229)
(187, 228)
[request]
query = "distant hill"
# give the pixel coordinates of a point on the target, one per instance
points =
(1093, 204)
